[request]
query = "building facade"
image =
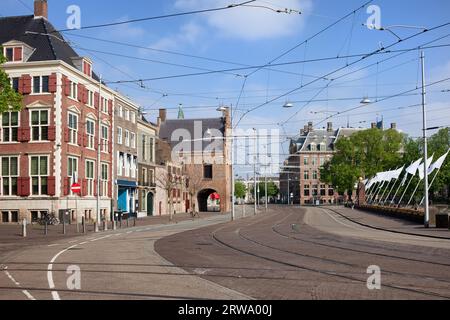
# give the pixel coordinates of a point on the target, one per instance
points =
(147, 134)
(62, 135)
(300, 179)
(205, 159)
(125, 149)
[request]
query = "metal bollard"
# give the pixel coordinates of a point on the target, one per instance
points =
(114, 226)
(64, 226)
(24, 228)
(83, 221)
(105, 225)
(95, 226)
(78, 227)
(134, 222)
(46, 228)
(128, 222)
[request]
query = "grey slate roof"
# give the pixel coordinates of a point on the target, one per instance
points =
(318, 136)
(169, 126)
(47, 47)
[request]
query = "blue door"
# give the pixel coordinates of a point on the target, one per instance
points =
(122, 200)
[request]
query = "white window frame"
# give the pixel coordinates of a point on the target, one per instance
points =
(90, 180)
(10, 127)
(70, 174)
(133, 116)
(127, 138)
(133, 140)
(105, 141)
(90, 136)
(90, 101)
(127, 114)
(120, 163)
(104, 182)
(119, 135)
(39, 126)
(73, 132)
(33, 92)
(9, 177)
(104, 106)
(73, 90)
(39, 176)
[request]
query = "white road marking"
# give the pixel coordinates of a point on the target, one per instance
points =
(12, 279)
(28, 295)
(25, 292)
(51, 283)
(54, 245)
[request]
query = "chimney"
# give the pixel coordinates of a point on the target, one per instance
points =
(305, 129)
(394, 126)
(373, 125)
(330, 126)
(162, 115)
(41, 8)
(310, 126)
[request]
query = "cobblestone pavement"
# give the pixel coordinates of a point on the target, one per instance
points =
(312, 253)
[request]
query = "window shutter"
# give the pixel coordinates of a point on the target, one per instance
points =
(66, 135)
(52, 133)
(84, 188)
(51, 186)
(80, 92)
(52, 83)
(25, 187)
(110, 107)
(96, 100)
(66, 86)
(19, 186)
(26, 81)
(21, 85)
(18, 54)
(85, 95)
(66, 186)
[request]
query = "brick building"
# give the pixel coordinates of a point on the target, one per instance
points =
(204, 156)
(300, 181)
(67, 116)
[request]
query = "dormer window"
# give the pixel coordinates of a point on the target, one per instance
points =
(13, 54)
(87, 68)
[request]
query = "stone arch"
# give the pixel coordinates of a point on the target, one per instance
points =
(202, 198)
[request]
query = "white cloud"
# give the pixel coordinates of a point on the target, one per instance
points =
(187, 35)
(251, 23)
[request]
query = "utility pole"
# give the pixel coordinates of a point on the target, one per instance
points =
(99, 152)
(289, 191)
(425, 143)
(233, 212)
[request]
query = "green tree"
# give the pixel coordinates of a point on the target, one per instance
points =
(9, 99)
(272, 189)
(363, 154)
(240, 190)
(438, 144)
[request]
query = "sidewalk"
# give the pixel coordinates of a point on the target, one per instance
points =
(393, 224)
(11, 235)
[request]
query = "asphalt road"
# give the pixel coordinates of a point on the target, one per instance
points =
(118, 265)
(286, 253)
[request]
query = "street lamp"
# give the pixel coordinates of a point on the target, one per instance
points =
(288, 105)
(366, 100)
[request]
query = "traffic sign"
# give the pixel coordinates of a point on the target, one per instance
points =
(75, 188)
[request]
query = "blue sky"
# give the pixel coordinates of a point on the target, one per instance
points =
(254, 36)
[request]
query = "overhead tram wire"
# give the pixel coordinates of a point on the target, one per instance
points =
(310, 38)
(175, 53)
(393, 96)
(283, 64)
(173, 15)
(347, 65)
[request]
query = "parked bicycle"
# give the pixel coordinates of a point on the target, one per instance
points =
(50, 219)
